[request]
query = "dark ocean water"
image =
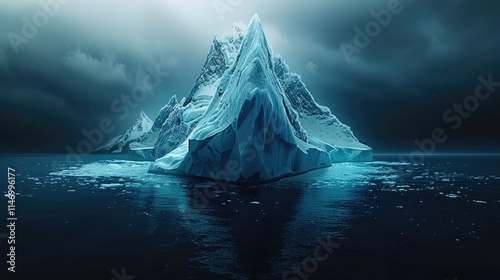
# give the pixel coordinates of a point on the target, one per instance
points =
(109, 219)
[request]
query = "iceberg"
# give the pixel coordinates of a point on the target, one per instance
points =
(248, 119)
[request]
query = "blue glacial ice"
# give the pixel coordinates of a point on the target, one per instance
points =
(247, 119)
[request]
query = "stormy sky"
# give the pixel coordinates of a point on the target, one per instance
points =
(64, 64)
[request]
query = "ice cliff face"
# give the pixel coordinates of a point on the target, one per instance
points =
(121, 143)
(249, 119)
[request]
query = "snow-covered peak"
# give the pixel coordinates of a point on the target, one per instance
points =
(143, 123)
(222, 54)
(255, 23)
(256, 38)
(239, 29)
(144, 119)
(254, 46)
(120, 143)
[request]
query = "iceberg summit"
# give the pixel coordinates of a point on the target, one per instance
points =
(248, 119)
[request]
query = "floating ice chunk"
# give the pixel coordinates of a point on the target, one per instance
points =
(390, 183)
(119, 168)
(111, 185)
(114, 166)
(480, 201)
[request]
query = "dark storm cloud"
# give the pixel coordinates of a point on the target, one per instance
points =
(90, 53)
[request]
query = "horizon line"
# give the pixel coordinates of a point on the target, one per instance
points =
(495, 153)
(441, 154)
